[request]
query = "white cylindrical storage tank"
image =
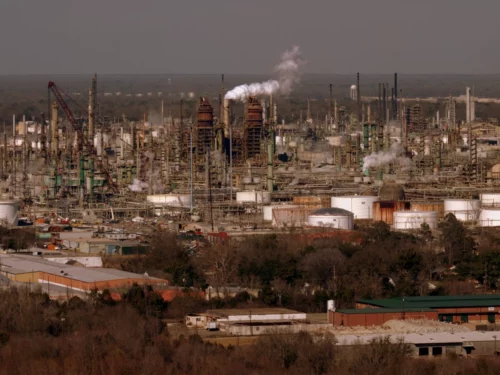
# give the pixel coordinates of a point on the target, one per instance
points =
(490, 199)
(489, 217)
(174, 200)
(268, 213)
(361, 206)
(331, 218)
(463, 209)
(247, 180)
(405, 220)
(260, 197)
(335, 140)
(9, 211)
(280, 140)
(256, 180)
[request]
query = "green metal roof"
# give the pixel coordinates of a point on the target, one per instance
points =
(376, 310)
(433, 302)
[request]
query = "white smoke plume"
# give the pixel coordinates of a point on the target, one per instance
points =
(393, 155)
(288, 71)
(138, 186)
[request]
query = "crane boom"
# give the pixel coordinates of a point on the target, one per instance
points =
(60, 100)
(76, 125)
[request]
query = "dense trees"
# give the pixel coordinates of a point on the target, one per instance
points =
(88, 337)
(296, 272)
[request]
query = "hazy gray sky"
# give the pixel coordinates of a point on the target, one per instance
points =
(235, 36)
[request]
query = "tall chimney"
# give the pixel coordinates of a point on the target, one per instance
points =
(393, 111)
(467, 105)
(54, 129)
(91, 117)
(92, 109)
(359, 99)
(395, 107)
(226, 118)
(380, 102)
(331, 103)
(384, 104)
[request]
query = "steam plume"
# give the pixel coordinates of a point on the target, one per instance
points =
(138, 185)
(288, 71)
(377, 159)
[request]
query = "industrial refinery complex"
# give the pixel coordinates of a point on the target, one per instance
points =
(385, 162)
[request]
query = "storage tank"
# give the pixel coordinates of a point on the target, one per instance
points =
(463, 209)
(489, 217)
(331, 218)
(406, 220)
(9, 211)
(336, 140)
(260, 197)
(360, 205)
(490, 199)
(268, 213)
(174, 200)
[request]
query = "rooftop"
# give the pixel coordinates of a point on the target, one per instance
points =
(434, 302)
(381, 310)
(423, 338)
(18, 264)
(258, 311)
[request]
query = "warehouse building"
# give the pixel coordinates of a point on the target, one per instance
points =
(453, 309)
(31, 269)
(251, 322)
(434, 344)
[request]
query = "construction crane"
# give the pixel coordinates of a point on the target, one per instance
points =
(75, 124)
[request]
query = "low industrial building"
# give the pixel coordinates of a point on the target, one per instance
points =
(453, 309)
(104, 246)
(378, 316)
(434, 344)
(32, 269)
(250, 322)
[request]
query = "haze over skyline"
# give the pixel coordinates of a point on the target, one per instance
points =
(223, 36)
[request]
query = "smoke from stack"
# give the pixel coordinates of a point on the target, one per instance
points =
(288, 71)
(378, 159)
(138, 186)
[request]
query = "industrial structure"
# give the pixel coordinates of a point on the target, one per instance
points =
(389, 159)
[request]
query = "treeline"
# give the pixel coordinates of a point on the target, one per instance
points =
(291, 271)
(99, 336)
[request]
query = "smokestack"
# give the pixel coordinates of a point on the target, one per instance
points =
(91, 117)
(395, 114)
(331, 102)
(226, 118)
(392, 104)
(467, 105)
(359, 99)
(92, 109)
(384, 105)
(380, 102)
(14, 125)
(54, 129)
